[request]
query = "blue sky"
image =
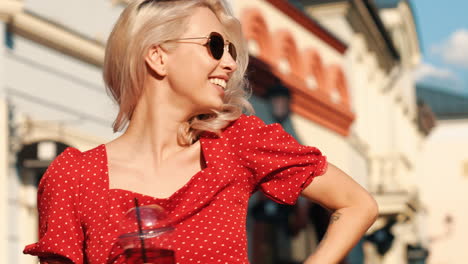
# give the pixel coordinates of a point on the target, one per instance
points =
(443, 32)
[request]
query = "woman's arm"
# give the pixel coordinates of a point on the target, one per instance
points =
(354, 211)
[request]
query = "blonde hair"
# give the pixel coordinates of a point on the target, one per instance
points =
(153, 23)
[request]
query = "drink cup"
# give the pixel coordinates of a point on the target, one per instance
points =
(143, 229)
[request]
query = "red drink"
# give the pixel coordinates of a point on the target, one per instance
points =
(153, 256)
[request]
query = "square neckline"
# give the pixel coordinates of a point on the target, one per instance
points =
(170, 197)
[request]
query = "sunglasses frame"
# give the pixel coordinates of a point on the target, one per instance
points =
(230, 46)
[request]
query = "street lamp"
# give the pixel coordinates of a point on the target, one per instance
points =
(280, 98)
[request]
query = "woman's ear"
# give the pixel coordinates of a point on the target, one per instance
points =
(156, 59)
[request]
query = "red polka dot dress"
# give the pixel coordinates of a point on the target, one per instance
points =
(79, 214)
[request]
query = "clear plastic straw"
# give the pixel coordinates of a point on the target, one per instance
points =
(140, 231)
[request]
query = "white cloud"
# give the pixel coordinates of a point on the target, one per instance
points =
(428, 71)
(439, 77)
(454, 50)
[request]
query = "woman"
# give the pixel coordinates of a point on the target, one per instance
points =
(176, 70)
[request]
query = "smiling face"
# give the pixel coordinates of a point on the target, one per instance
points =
(198, 80)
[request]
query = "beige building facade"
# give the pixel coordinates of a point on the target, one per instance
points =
(383, 52)
(443, 177)
(444, 184)
(50, 92)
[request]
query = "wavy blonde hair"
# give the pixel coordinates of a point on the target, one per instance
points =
(155, 22)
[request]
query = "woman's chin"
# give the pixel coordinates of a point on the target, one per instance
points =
(210, 108)
(216, 104)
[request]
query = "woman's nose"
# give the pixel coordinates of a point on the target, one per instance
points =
(227, 61)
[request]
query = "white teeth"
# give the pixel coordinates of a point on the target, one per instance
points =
(219, 82)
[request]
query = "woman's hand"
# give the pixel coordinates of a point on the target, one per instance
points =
(354, 211)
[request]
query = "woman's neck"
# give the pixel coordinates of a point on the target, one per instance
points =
(153, 130)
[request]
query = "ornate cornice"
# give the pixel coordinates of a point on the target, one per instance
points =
(309, 24)
(56, 37)
(8, 8)
(121, 2)
(319, 91)
(48, 34)
(313, 107)
(310, 104)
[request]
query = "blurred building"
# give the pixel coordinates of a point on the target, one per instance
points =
(295, 59)
(443, 179)
(51, 96)
(335, 73)
(383, 50)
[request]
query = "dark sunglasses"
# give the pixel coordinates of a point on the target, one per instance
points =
(215, 44)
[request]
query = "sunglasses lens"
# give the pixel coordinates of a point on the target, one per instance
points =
(232, 51)
(216, 46)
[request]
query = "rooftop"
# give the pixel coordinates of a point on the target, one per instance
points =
(445, 104)
(387, 3)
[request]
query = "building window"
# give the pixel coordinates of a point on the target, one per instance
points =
(284, 66)
(9, 39)
(34, 159)
(335, 96)
(254, 48)
(311, 82)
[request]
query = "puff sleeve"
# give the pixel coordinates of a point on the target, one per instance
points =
(60, 230)
(280, 166)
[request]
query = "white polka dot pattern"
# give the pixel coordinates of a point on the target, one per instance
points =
(79, 214)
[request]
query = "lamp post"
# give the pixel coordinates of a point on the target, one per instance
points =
(280, 98)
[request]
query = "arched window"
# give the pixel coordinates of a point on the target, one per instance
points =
(33, 159)
(256, 32)
(288, 60)
(314, 71)
(338, 87)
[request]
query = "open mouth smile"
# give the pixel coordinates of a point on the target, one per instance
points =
(220, 82)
